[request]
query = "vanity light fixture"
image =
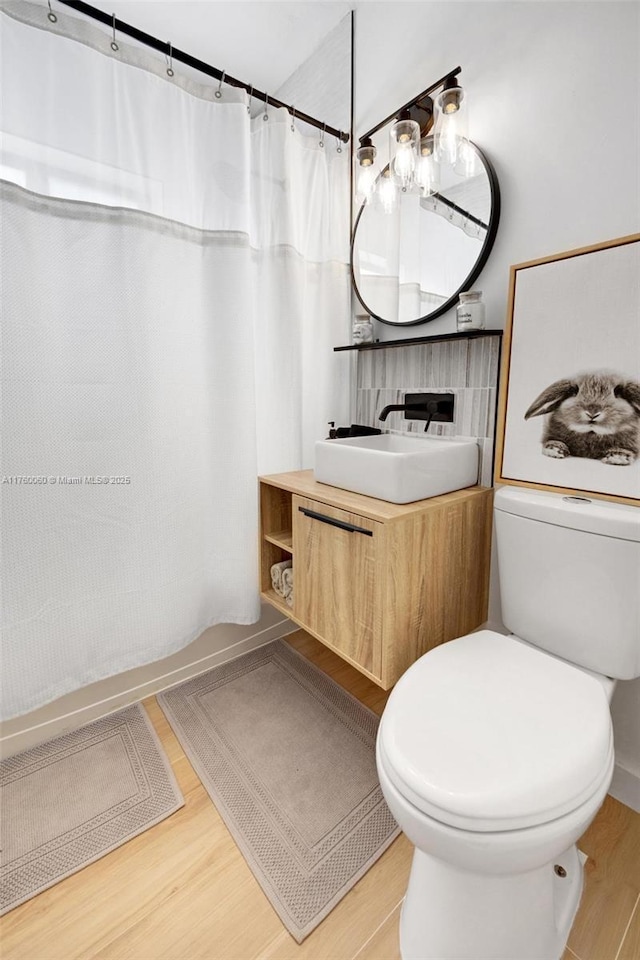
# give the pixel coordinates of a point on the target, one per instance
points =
(404, 136)
(451, 123)
(466, 162)
(450, 100)
(417, 148)
(366, 173)
(422, 113)
(387, 191)
(427, 168)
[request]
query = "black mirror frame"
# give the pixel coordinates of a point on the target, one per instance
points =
(477, 267)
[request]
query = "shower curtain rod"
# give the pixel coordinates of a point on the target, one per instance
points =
(165, 46)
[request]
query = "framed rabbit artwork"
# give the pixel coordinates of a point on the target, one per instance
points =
(569, 415)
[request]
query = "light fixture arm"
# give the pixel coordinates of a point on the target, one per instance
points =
(412, 103)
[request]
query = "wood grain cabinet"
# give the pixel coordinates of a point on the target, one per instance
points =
(379, 583)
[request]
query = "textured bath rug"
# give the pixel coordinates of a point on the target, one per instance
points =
(71, 800)
(288, 758)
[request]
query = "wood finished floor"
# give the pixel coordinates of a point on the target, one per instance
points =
(182, 890)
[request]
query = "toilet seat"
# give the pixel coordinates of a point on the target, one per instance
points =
(487, 734)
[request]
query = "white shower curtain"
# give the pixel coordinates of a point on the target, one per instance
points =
(174, 277)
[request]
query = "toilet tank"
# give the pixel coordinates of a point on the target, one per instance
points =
(570, 577)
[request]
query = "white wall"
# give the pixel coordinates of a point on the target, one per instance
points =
(321, 84)
(554, 100)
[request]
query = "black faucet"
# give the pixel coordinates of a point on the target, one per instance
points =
(429, 406)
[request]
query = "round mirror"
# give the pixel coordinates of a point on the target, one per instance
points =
(411, 257)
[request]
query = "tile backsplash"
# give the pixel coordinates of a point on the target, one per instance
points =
(466, 368)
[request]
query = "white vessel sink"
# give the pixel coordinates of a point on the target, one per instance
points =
(399, 469)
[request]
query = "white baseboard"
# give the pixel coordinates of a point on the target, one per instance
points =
(215, 646)
(625, 787)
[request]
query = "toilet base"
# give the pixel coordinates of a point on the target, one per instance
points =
(450, 914)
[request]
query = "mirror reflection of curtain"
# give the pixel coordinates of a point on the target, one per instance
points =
(377, 268)
(173, 274)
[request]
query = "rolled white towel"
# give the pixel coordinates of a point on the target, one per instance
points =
(276, 576)
(289, 598)
(287, 581)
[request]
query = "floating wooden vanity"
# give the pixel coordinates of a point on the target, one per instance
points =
(379, 583)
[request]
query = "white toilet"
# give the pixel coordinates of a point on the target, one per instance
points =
(495, 753)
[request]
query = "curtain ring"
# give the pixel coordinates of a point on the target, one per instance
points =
(114, 46)
(169, 60)
(218, 93)
(250, 98)
(265, 115)
(51, 15)
(321, 142)
(339, 144)
(293, 119)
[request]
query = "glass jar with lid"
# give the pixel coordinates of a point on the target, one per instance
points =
(470, 311)
(362, 329)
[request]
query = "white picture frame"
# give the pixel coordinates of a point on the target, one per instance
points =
(569, 412)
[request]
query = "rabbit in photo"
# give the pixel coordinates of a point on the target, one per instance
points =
(595, 414)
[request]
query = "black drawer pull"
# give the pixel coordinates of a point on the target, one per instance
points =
(335, 523)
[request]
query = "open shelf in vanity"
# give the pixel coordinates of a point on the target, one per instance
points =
(276, 538)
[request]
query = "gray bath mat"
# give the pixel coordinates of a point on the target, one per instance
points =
(288, 757)
(70, 801)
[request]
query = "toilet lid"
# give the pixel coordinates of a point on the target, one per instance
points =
(487, 734)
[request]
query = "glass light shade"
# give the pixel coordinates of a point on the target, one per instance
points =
(427, 174)
(366, 154)
(387, 192)
(403, 150)
(466, 164)
(451, 124)
(365, 172)
(365, 181)
(450, 100)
